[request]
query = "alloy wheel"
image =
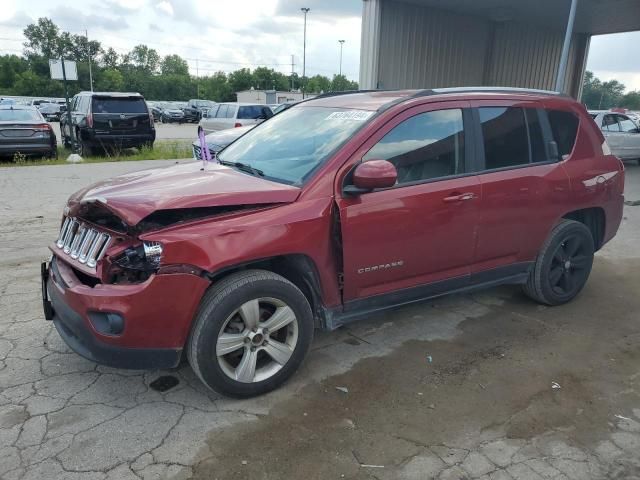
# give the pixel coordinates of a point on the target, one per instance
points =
(257, 340)
(569, 266)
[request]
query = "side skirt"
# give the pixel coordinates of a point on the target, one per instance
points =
(360, 309)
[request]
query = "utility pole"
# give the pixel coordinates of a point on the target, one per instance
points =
(86, 35)
(197, 79)
(74, 143)
(292, 72)
(305, 10)
(341, 42)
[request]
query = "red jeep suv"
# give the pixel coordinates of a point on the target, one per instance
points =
(341, 206)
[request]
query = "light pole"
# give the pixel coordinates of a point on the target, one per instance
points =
(341, 42)
(304, 10)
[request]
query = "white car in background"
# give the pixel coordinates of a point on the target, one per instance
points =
(621, 132)
(230, 115)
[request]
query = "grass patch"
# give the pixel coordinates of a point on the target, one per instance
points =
(162, 150)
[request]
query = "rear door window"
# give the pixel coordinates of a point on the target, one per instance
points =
(118, 105)
(564, 127)
(504, 131)
(626, 124)
(610, 123)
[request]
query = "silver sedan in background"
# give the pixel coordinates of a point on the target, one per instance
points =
(621, 132)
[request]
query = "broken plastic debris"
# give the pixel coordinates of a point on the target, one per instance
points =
(622, 418)
(244, 462)
(364, 465)
(343, 389)
(431, 406)
(555, 385)
(429, 359)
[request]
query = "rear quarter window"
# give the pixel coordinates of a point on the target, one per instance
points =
(564, 127)
(118, 105)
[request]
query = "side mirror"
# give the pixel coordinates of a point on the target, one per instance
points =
(370, 175)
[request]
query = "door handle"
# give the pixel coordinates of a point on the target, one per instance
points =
(459, 197)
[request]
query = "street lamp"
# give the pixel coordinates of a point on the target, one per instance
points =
(341, 42)
(304, 10)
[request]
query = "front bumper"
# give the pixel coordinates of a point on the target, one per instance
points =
(157, 316)
(121, 139)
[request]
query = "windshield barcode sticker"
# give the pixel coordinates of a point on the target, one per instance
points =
(357, 115)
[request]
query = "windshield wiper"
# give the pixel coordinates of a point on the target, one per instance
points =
(244, 167)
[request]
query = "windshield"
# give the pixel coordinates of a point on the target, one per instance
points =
(290, 146)
(19, 116)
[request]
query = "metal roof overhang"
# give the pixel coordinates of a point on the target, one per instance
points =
(593, 17)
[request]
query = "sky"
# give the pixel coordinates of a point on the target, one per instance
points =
(226, 35)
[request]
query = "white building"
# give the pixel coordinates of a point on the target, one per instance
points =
(269, 97)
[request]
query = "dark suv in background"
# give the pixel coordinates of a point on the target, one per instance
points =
(195, 108)
(103, 120)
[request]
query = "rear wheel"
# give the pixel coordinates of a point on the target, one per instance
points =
(563, 265)
(251, 333)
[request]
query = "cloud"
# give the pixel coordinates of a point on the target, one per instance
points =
(155, 28)
(71, 19)
(321, 8)
(165, 7)
(123, 7)
(18, 20)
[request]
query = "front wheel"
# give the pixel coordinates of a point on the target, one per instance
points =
(251, 333)
(563, 264)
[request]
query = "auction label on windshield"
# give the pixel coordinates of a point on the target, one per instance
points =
(357, 115)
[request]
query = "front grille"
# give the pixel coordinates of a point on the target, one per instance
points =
(82, 242)
(197, 152)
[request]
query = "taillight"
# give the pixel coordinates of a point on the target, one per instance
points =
(44, 127)
(238, 124)
(90, 120)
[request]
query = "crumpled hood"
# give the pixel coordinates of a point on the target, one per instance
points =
(134, 196)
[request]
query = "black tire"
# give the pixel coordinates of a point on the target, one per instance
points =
(219, 304)
(563, 264)
(84, 149)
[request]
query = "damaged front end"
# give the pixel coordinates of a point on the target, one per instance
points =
(101, 248)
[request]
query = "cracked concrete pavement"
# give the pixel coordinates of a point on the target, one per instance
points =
(483, 407)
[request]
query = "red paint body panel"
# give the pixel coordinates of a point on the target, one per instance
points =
(507, 218)
(157, 312)
(135, 195)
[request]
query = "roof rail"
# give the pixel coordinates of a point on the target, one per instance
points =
(438, 91)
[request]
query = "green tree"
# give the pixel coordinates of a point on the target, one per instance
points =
(44, 39)
(241, 80)
(630, 100)
(11, 66)
(318, 84)
(109, 58)
(601, 95)
(143, 58)
(341, 83)
(174, 65)
(109, 80)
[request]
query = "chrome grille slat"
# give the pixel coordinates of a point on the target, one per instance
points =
(82, 242)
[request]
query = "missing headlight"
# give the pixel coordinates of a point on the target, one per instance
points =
(144, 258)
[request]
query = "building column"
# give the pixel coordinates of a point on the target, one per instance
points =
(370, 44)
